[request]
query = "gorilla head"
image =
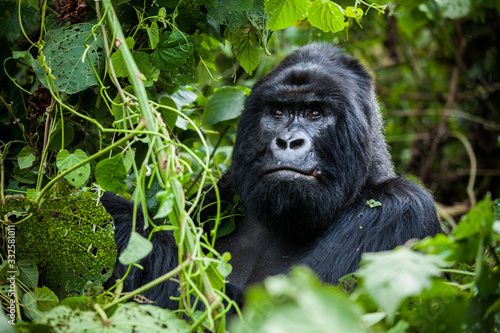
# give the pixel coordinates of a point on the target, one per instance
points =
(309, 139)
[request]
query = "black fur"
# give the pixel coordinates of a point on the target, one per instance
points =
(309, 154)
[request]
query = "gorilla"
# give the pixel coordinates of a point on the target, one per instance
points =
(309, 160)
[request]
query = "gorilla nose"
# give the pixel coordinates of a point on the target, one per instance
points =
(291, 145)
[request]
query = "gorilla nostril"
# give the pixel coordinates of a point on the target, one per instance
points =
(281, 143)
(296, 143)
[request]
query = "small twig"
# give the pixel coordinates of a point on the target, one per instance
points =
(16, 120)
(473, 166)
(442, 128)
(110, 63)
(457, 271)
(149, 285)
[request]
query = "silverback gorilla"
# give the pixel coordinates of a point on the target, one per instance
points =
(309, 153)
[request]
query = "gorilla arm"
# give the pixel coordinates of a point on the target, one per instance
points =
(407, 212)
(161, 260)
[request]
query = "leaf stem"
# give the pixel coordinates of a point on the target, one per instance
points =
(149, 285)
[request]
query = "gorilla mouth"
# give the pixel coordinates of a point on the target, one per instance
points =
(294, 172)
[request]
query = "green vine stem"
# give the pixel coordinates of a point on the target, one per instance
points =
(188, 238)
(149, 285)
(91, 158)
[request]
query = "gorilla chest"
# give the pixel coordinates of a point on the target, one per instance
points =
(257, 252)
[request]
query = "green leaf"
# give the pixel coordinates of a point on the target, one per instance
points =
(24, 176)
(166, 200)
(225, 104)
(231, 13)
(146, 67)
(56, 136)
(9, 20)
(129, 158)
(69, 238)
(327, 16)
(65, 160)
(154, 35)
(29, 309)
(118, 64)
(297, 303)
(137, 248)
(284, 13)
(390, 277)
(128, 318)
(111, 174)
(77, 302)
(169, 116)
(45, 299)
(185, 74)
(444, 308)
(28, 273)
(173, 51)
(117, 59)
(41, 300)
(373, 203)
(248, 52)
(475, 227)
(206, 47)
(26, 158)
(64, 50)
(454, 9)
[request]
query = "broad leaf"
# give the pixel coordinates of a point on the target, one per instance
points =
(28, 273)
(128, 318)
(137, 248)
(169, 116)
(173, 51)
(57, 135)
(111, 174)
(284, 13)
(248, 52)
(166, 204)
(390, 277)
(65, 160)
(70, 61)
(297, 303)
(225, 104)
(26, 157)
(146, 67)
(327, 16)
(154, 35)
(40, 301)
(69, 238)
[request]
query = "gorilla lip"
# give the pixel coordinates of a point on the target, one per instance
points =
(316, 173)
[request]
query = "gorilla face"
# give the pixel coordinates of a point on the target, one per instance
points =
(308, 140)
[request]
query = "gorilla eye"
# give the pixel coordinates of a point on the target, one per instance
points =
(314, 114)
(277, 113)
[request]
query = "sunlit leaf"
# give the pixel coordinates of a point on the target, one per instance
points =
(327, 16)
(137, 248)
(390, 277)
(65, 160)
(284, 13)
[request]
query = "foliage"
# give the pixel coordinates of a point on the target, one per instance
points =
(69, 239)
(142, 98)
(395, 291)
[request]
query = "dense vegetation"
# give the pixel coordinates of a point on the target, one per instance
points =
(142, 98)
